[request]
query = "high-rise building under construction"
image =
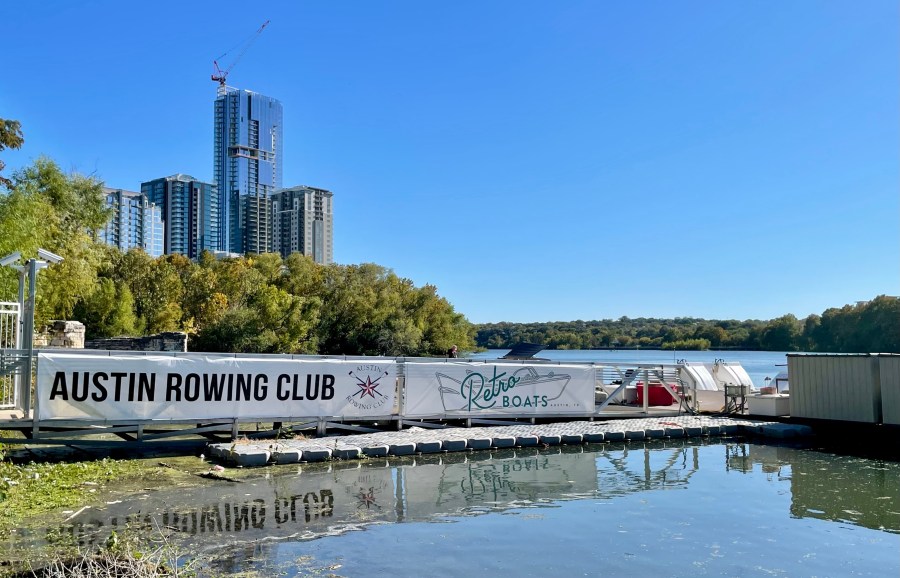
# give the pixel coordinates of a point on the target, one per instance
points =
(247, 167)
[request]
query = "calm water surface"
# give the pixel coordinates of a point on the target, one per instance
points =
(666, 508)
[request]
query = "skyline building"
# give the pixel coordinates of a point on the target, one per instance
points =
(303, 222)
(190, 212)
(245, 210)
(247, 167)
(135, 222)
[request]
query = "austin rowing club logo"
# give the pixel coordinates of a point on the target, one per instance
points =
(370, 385)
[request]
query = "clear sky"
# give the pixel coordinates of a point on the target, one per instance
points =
(536, 161)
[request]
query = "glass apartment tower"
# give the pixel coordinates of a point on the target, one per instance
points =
(246, 167)
(303, 221)
(135, 222)
(190, 211)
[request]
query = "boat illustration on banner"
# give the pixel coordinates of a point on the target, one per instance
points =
(461, 394)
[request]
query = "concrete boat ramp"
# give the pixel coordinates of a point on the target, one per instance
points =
(250, 453)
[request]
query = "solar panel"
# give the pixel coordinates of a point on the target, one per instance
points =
(524, 351)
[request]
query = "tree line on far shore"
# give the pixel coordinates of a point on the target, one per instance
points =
(867, 327)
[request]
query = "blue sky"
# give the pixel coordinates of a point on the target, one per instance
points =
(535, 161)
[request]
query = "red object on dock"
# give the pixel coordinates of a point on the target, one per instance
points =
(658, 395)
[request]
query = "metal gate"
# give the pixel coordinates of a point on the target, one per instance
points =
(11, 358)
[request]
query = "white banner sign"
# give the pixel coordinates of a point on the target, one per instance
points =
(197, 387)
(471, 389)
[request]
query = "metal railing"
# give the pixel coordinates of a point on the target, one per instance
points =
(11, 362)
(10, 314)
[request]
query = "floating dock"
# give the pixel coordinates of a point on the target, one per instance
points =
(252, 453)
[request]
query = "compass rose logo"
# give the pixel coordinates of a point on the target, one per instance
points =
(367, 499)
(368, 378)
(368, 387)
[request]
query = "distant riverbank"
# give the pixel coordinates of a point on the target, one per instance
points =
(758, 364)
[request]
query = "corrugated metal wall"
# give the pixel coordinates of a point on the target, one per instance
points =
(889, 366)
(837, 387)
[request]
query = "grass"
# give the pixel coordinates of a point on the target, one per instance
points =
(30, 491)
(36, 488)
(120, 558)
(107, 565)
(43, 493)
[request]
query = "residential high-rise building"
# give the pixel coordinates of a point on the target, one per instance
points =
(190, 211)
(135, 223)
(303, 221)
(247, 167)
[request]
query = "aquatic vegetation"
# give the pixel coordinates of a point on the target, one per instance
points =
(35, 488)
(107, 565)
(134, 555)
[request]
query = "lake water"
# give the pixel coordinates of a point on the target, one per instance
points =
(713, 507)
(758, 364)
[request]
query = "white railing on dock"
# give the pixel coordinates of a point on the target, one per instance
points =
(9, 325)
(10, 334)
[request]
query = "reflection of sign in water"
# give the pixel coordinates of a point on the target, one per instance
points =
(509, 479)
(369, 486)
(325, 500)
(228, 517)
(475, 391)
(367, 499)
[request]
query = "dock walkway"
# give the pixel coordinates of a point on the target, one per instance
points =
(424, 441)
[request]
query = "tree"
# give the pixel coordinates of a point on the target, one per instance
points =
(10, 137)
(807, 341)
(238, 280)
(78, 199)
(108, 311)
(156, 287)
(879, 324)
(50, 209)
(235, 332)
(203, 303)
(712, 333)
(23, 220)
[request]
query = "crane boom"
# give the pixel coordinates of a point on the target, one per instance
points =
(220, 75)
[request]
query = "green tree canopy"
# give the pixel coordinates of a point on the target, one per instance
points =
(60, 212)
(10, 138)
(870, 326)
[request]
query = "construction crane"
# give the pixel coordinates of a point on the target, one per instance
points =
(220, 74)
